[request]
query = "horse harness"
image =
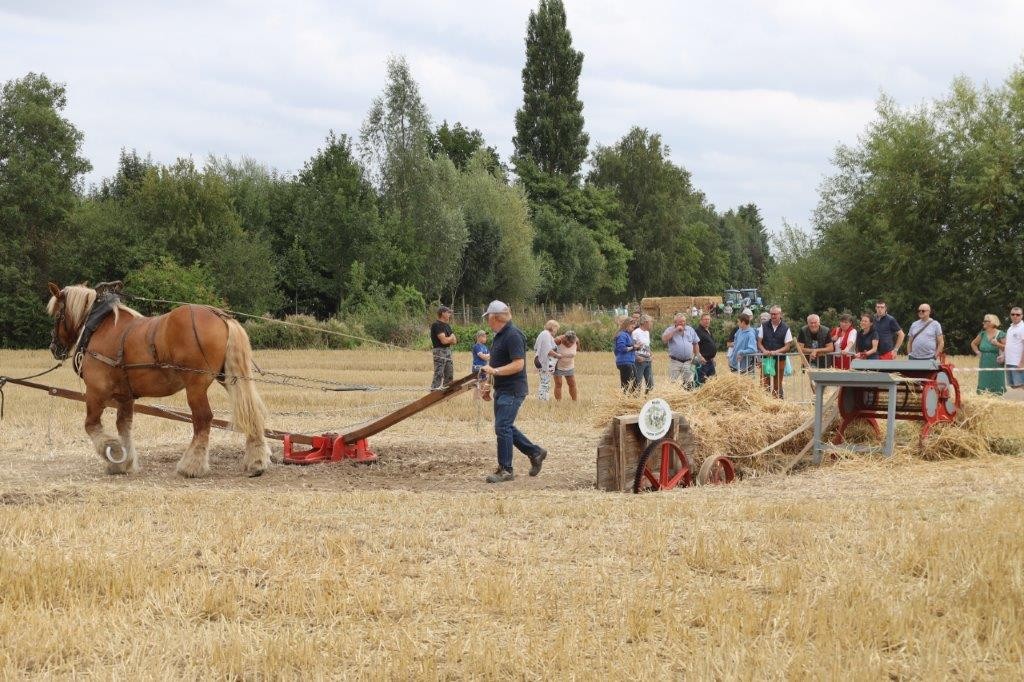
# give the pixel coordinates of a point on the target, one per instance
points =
(106, 304)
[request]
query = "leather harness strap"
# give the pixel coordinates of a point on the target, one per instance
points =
(154, 326)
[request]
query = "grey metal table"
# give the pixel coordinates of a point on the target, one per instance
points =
(857, 379)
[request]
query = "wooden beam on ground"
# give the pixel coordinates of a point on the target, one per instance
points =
(433, 398)
(163, 413)
(831, 412)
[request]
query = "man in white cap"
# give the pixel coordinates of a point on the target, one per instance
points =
(508, 367)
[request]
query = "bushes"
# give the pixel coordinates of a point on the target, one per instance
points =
(267, 333)
(166, 280)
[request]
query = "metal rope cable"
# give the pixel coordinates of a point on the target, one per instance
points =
(304, 413)
(332, 332)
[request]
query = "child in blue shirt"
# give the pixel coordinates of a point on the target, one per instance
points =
(480, 354)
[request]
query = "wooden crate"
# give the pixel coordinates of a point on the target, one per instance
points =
(622, 444)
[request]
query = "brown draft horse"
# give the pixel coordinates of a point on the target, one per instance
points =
(130, 356)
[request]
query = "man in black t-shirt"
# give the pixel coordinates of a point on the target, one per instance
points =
(815, 342)
(442, 338)
(508, 367)
(707, 349)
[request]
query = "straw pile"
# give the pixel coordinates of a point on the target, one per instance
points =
(730, 415)
(984, 426)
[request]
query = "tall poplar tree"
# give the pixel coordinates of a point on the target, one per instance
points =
(549, 126)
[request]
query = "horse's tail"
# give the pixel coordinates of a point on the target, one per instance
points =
(248, 413)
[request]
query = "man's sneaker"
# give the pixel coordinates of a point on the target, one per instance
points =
(500, 476)
(537, 461)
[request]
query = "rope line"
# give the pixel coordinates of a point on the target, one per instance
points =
(332, 332)
(4, 379)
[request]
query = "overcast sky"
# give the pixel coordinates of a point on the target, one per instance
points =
(752, 97)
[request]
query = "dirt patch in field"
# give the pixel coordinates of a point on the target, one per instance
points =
(404, 464)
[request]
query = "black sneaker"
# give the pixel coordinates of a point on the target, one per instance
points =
(537, 461)
(500, 476)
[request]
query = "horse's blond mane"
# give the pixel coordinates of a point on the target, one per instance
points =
(78, 300)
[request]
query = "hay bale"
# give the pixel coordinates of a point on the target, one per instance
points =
(730, 415)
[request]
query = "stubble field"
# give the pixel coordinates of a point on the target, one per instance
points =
(416, 568)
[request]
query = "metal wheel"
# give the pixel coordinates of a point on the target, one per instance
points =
(949, 392)
(930, 401)
(662, 466)
(716, 471)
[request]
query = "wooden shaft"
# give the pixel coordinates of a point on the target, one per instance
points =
(161, 412)
(432, 398)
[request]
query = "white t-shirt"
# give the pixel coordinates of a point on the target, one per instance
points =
(542, 347)
(1014, 344)
(851, 342)
(644, 338)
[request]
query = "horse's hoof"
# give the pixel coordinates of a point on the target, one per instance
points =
(116, 457)
(257, 473)
(191, 472)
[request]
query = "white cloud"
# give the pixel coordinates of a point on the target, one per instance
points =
(752, 96)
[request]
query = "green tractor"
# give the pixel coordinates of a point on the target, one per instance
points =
(738, 299)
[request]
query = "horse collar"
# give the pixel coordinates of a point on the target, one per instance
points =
(104, 304)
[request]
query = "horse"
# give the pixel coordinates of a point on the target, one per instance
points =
(122, 355)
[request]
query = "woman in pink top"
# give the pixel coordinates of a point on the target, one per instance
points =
(567, 347)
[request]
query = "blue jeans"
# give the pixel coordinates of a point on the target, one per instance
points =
(506, 407)
(644, 372)
(706, 370)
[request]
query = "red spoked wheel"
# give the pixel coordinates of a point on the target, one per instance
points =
(716, 471)
(662, 466)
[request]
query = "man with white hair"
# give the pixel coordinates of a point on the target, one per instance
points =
(773, 340)
(683, 344)
(508, 367)
(815, 343)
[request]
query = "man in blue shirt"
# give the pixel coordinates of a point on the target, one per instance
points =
(683, 349)
(508, 367)
(890, 333)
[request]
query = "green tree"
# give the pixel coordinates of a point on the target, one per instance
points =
(549, 126)
(131, 171)
(591, 208)
(461, 144)
(41, 172)
(569, 255)
(498, 261)
(244, 272)
(756, 240)
(189, 211)
(927, 207)
(419, 212)
(168, 281)
(335, 223)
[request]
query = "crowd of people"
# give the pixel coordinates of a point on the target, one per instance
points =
(691, 356)
(769, 345)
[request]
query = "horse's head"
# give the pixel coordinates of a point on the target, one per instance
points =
(68, 307)
(60, 338)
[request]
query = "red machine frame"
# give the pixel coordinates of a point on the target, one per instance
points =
(939, 399)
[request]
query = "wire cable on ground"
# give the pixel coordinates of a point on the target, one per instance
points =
(331, 332)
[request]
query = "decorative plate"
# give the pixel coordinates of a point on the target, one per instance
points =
(655, 419)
